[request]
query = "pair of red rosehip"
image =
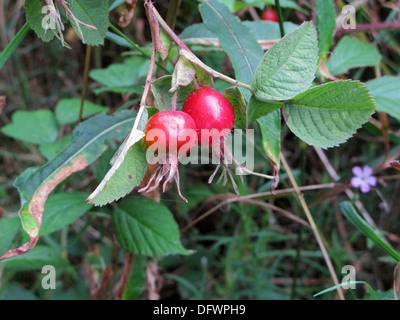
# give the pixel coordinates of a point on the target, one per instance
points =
(203, 109)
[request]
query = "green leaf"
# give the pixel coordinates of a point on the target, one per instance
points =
(15, 291)
(288, 68)
(352, 53)
(35, 184)
(235, 38)
(290, 4)
(50, 149)
(127, 176)
(386, 93)
(62, 209)
(36, 259)
(92, 12)
(34, 16)
(146, 227)
(166, 41)
(262, 30)
(33, 126)
(268, 30)
(12, 46)
(122, 77)
(67, 110)
(137, 279)
(8, 229)
(235, 97)
(160, 88)
(348, 283)
(326, 22)
(258, 108)
(329, 114)
(351, 214)
(270, 126)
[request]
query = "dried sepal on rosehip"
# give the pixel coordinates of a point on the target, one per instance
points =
(169, 134)
(214, 117)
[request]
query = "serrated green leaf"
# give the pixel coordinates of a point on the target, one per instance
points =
(352, 53)
(288, 68)
(270, 126)
(35, 184)
(94, 13)
(326, 22)
(67, 110)
(126, 177)
(33, 126)
(235, 38)
(146, 227)
(160, 88)
(258, 108)
(235, 97)
(34, 16)
(386, 92)
(62, 209)
(329, 114)
(351, 214)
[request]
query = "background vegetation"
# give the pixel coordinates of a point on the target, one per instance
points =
(257, 245)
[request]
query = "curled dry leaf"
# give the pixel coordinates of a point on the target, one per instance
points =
(36, 183)
(154, 194)
(153, 281)
(121, 286)
(156, 34)
(35, 206)
(126, 16)
(92, 275)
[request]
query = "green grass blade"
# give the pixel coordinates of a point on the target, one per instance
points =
(371, 291)
(351, 214)
(8, 51)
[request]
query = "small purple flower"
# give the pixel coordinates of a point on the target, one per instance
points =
(363, 179)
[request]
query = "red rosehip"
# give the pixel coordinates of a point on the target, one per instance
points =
(209, 110)
(171, 130)
(269, 15)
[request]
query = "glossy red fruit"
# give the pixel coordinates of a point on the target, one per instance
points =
(209, 110)
(176, 127)
(269, 15)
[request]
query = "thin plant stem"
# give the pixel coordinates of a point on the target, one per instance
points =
(234, 198)
(280, 18)
(184, 48)
(135, 46)
(313, 226)
(85, 80)
(149, 74)
(172, 13)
